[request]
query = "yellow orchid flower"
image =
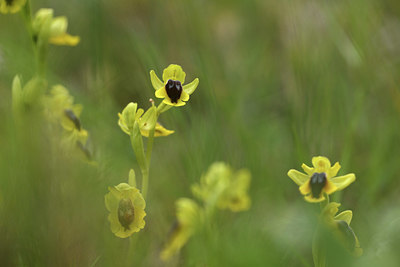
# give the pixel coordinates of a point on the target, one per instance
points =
(224, 187)
(146, 121)
(320, 179)
(158, 131)
(340, 224)
(235, 196)
(188, 218)
(172, 89)
(52, 30)
(126, 206)
(11, 6)
(60, 110)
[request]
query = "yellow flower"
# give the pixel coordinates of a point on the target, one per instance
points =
(11, 6)
(158, 131)
(60, 109)
(223, 188)
(172, 89)
(235, 196)
(320, 179)
(213, 183)
(126, 206)
(340, 224)
(189, 217)
(52, 30)
(146, 121)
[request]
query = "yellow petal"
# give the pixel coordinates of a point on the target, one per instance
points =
(190, 87)
(310, 199)
(155, 81)
(184, 96)
(329, 187)
(298, 177)
(174, 72)
(342, 182)
(65, 39)
(346, 216)
(307, 169)
(161, 93)
(305, 189)
(321, 164)
(334, 170)
(180, 103)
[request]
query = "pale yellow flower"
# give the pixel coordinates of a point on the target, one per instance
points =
(11, 6)
(126, 206)
(171, 89)
(320, 179)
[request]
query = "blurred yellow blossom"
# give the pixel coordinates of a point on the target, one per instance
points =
(320, 179)
(171, 88)
(189, 216)
(126, 206)
(52, 30)
(222, 187)
(11, 6)
(60, 110)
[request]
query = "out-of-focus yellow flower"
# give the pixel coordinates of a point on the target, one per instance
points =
(146, 121)
(222, 187)
(189, 217)
(213, 183)
(126, 206)
(52, 30)
(61, 110)
(172, 89)
(11, 6)
(320, 179)
(340, 224)
(235, 196)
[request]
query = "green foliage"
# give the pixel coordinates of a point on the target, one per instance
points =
(281, 81)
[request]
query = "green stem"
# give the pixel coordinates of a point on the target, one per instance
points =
(149, 149)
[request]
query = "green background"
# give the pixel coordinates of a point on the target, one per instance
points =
(280, 82)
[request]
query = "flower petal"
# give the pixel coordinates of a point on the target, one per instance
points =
(305, 189)
(333, 170)
(155, 81)
(174, 72)
(161, 93)
(184, 96)
(190, 87)
(346, 216)
(307, 169)
(65, 39)
(330, 187)
(298, 177)
(180, 103)
(310, 199)
(321, 164)
(342, 182)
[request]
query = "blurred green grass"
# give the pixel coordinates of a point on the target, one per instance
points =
(280, 82)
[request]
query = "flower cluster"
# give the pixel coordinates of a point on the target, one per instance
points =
(318, 182)
(137, 123)
(220, 188)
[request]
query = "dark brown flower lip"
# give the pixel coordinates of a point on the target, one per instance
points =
(174, 90)
(9, 2)
(126, 213)
(317, 183)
